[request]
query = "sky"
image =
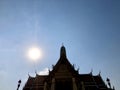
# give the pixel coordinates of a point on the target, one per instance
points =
(89, 29)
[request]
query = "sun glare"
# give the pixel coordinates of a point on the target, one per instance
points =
(34, 53)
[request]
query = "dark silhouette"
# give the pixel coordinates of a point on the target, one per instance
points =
(19, 82)
(64, 76)
(109, 84)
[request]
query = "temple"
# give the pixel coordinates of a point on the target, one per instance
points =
(64, 76)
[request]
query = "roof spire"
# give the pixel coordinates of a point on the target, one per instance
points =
(62, 44)
(62, 51)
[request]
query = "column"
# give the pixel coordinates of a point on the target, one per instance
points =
(74, 84)
(45, 86)
(83, 87)
(53, 84)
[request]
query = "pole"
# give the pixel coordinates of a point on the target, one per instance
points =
(19, 82)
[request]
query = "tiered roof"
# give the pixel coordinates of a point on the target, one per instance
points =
(64, 69)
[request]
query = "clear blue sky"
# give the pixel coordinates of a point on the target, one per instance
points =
(89, 29)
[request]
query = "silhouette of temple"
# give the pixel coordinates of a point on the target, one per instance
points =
(63, 76)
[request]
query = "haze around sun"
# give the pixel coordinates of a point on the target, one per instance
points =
(34, 53)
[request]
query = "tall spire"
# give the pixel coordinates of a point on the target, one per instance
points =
(62, 52)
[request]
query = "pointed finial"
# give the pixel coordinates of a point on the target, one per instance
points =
(78, 69)
(99, 72)
(113, 88)
(49, 71)
(52, 66)
(91, 71)
(35, 71)
(28, 74)
(63, 52)
(62, 44)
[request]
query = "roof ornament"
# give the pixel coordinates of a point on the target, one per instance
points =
(53, 66)
(108, 81)
(91, 71)
(113, 88)
(63, 51)
(74, 66)
(78, 69)
(62, 44)
(49, 71)
(99, 74)
(36, 72)
(28, 74)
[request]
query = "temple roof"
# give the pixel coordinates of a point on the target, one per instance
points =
(63, 61)
(63, 69)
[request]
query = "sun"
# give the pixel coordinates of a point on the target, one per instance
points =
(34, 53)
